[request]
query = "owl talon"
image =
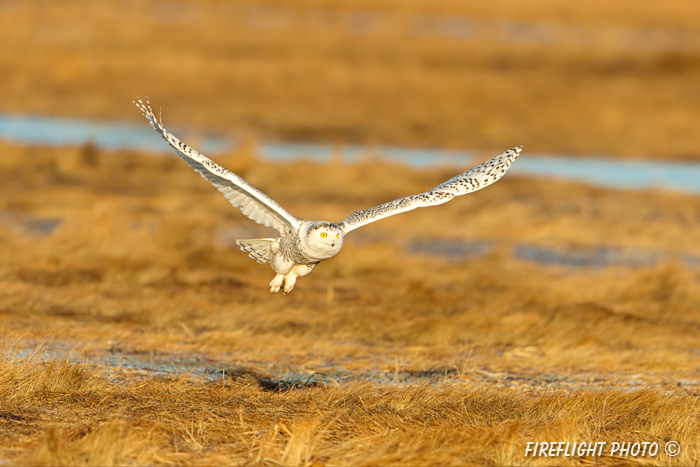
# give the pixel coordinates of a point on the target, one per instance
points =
(277, 283)
(289, 281)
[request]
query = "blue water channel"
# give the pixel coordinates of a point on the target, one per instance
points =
(680, 176)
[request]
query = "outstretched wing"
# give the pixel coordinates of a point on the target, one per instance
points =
(253, 203)
(475, 179)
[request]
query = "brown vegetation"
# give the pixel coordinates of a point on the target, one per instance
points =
(612, 78)
(117, 260)
(134, 331)
(136, 420)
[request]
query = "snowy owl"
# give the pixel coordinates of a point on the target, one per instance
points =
(303, 244)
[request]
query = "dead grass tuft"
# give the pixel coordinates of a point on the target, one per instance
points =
(20, 377)
(108, 445)
(147, 420)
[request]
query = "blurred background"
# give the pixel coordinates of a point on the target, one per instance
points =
(572, 283)
(612, 79)
(381, 95)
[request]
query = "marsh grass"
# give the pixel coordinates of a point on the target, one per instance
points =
(183, 421)
(368, 73)
(450, 362)
(113, 262)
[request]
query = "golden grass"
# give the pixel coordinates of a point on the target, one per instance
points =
(115, 266)
(182, 421)
(422, 360)
(303, 70)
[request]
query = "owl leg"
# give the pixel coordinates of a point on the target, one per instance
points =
(289, 281)
(297, 271)
(276, 283)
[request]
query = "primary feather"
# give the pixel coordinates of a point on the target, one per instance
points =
(472, 180)
(253, 203)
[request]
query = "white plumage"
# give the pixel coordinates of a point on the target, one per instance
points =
(303, 244)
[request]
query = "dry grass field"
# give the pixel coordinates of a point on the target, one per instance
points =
(133, 330)
(561, 77)
(135, 333)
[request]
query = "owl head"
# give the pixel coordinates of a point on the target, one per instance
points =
(321, 239)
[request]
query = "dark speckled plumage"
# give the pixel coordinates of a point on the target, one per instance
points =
(472, 180)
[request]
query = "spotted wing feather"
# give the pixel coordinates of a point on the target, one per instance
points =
(260, 249)
(253, 203)
(472, 180)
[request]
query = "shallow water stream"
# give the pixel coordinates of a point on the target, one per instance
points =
(681, 176)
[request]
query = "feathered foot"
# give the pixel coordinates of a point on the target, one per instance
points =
(276, 283)
(284, 283)
(289, 281)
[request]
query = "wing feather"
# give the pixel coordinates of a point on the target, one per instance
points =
(253, 203)
(472, 180)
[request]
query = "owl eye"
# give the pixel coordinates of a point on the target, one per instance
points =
(324, 234)
(337, 235)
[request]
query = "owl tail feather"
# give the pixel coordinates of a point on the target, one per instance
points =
(260, 249)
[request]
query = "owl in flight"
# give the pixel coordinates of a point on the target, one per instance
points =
(303, 244)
